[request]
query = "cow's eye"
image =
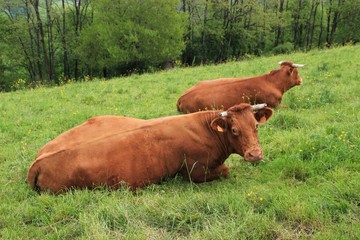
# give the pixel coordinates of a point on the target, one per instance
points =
(235, 131)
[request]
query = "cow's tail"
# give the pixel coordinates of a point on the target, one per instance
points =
(33, 176)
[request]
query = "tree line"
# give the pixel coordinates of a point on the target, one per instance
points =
(56, 41)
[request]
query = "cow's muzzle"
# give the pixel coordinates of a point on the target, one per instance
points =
(254, 155)
(299, 81)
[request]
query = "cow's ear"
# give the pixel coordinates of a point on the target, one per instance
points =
(218, 124)
(263, 115)
(288, 69)
(291, 70)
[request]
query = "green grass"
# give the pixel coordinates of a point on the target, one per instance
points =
(308, 187)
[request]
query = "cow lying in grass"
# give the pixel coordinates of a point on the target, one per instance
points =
(226, 92)
(119, 151)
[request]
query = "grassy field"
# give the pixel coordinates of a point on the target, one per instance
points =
(308, 187)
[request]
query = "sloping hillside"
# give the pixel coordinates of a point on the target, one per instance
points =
(308, 186)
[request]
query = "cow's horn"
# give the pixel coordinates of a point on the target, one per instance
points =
(298, 65)
(258, 106)
(280, 62)
(223, 114)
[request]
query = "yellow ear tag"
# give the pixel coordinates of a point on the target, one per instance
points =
(219, 128)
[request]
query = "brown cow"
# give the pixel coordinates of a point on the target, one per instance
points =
(226, 92)
(91, 129)
(135, 153)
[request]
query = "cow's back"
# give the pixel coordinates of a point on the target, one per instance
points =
(223, 93)
(100, 126)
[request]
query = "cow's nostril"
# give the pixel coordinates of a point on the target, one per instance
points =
(254, 155)
(300, 81)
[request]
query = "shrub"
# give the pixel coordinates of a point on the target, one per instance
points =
(283, 48)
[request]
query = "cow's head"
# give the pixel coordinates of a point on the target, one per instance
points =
(290, 70)
(239, 125)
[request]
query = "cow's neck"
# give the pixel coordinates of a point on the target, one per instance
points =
(222, 144)
(275, 79)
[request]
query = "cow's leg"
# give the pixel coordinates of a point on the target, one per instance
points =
(201, 174)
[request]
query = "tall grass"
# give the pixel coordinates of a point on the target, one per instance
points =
(308, 187)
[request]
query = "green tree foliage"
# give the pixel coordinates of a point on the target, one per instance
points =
(53, 41)
(349, 22)
(11, 56)
(220, 30)
(132, 36)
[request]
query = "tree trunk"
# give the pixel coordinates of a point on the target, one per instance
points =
(313, 24)
(328, 24)
(309, 26)
(321, 24)
(79, 17)
(36, 48)
(30, 66)
(31, 58)
(297, 27)
(64, 44)
(50, 39)
(77, 4)
(278, 32)
(203, 36)
(335, 22)
(35, 4)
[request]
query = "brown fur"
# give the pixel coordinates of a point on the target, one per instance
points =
(118, 151)
(101, 126)
(226, 92)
